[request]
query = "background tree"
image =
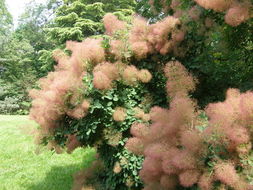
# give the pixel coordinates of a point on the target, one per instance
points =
(31, 26)
(20, 55)
(5, 25)
(6, 19)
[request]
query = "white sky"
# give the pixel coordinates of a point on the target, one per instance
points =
(17, 7)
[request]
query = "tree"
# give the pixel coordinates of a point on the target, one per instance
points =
(6, 19)
(20, 52)
(31, 26)
(77, 19)
(5, 24)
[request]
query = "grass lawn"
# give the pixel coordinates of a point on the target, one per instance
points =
(22, 169)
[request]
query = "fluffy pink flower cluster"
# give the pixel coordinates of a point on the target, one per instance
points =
(112, 24)
(179, 80)
(119, 114)
(145, 38)
(216, 5)
(85, 54)
(131, 75)
(105, 73)
(118, 48)
(237, 14)
(140, 114)
(48, 104)
(233, 119)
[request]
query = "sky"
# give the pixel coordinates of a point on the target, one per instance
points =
(17, 7)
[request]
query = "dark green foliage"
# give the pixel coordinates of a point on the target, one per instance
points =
(12, 101)
(76, 20)
(219, 62)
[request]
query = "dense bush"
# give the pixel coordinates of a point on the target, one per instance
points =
(105, 84)
(9, 105)
(12, 101)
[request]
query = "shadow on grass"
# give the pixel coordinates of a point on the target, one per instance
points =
(60, 177)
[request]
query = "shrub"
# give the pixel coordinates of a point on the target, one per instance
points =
(117, 81)
(12, 101)
(9, 105)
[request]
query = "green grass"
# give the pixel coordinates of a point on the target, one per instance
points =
(22, 169)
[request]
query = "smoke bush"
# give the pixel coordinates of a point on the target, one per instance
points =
(101, 81)
(112, 24)
(179, 80)
(217, 5)
(145, 38)
(206, 181)
(119, 114)
(189, 178)
(98, 91)
(135, 145)
(226, 173)
(237, 14)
